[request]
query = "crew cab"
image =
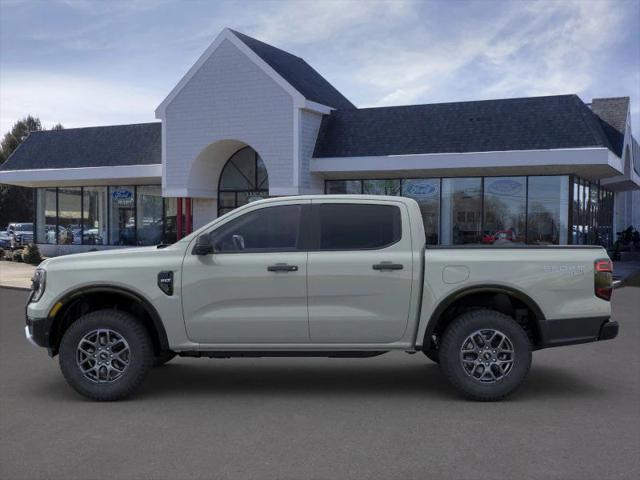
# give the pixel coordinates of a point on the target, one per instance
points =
(333, 276)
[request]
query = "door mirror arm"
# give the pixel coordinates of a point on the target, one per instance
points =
(203, 245)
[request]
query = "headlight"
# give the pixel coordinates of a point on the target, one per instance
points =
(38, 283)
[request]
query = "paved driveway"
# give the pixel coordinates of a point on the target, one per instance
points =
(394, 416)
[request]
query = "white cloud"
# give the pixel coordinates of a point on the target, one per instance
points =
(72, 100)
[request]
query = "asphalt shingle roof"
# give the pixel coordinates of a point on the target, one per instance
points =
(534, 123)
(612, 113)
(137, 144)
(298, 73)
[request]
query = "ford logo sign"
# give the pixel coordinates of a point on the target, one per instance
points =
(122, 194)
(505, 187)
(420, 190)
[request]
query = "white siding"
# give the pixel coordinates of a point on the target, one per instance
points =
(309, 126)
(229, 97)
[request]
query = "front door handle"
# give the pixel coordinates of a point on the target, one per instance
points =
(282, 267)
(388, 266)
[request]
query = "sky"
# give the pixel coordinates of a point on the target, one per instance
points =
(85, 63)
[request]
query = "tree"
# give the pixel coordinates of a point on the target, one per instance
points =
(16, 203)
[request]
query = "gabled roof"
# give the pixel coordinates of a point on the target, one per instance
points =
(298, 73)
(612, 113)
(292, 73)
(116, 145)
(535, 123)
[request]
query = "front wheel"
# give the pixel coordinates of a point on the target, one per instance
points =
(485, 354)
(105, 355)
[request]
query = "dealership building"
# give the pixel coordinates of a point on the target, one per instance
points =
(250, 121)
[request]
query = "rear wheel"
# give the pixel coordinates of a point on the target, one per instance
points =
(485, 354)
(105, 355)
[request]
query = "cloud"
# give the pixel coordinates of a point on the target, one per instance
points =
(73, 101)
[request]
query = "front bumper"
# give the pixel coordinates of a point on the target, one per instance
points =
(572, 331)
(38, 331)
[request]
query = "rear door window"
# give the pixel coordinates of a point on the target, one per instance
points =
(353, 226)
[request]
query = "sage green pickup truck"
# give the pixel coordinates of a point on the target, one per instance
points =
(333, 276)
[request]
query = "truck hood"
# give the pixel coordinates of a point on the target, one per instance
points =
(117, 258)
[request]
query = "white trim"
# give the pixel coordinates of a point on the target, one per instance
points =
(297, 125)
(83, 175)
(475, 160)
(227, 34)
(317, 107)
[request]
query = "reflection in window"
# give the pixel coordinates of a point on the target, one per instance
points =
(272, 229)
(351, 187)
(122, 221)
(170, 234)
(504, 210)
(381, 187)
(149, 215)
(461, 210)
(548, 199)
(94, 216)
(427, 193)
(69, 216)
(46, 216)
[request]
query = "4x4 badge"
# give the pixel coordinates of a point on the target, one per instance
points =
(165, 282)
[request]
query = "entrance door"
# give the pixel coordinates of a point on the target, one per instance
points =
(253, 288)
(360, 275)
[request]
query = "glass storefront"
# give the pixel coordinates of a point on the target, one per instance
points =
(461, 211)
(115, 215)
(513, 210)
(243, 180)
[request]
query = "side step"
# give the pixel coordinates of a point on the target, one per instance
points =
(281, 353)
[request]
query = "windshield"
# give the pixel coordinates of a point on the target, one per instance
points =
(23, 227)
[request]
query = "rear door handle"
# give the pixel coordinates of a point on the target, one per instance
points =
(282, 267)
(388, 266)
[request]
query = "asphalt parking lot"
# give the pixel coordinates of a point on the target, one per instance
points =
(393, 416)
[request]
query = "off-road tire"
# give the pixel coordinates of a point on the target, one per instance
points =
(450, 354)
(163, 358)
(140, 359)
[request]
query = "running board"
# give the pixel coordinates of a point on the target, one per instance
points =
(281, 353)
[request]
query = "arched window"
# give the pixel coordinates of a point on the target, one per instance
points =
(243, 179)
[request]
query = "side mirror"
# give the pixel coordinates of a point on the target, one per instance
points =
(203, 245)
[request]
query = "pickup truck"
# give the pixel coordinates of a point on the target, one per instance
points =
(20, 234)
(332, 276)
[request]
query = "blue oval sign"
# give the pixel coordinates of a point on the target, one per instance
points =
(122, 194)
(420, 190)
(505, 187)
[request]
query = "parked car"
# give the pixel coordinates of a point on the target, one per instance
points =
(5, 240)
(334, 276)
(20, 234)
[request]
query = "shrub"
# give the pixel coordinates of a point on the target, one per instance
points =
(17, 257)
(31, 254)
(1, 253)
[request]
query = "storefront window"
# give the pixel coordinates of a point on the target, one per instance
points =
(548, 199)
(505, 203)
(381, 187)
(46, 216)
(122, 221)
(149, 215)
(70, 216)
(243, 179)
(351, 187)
(94, 216)
(427, 193)
(461, 210)
(169, 234)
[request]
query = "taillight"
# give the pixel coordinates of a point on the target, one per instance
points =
(603, 278)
